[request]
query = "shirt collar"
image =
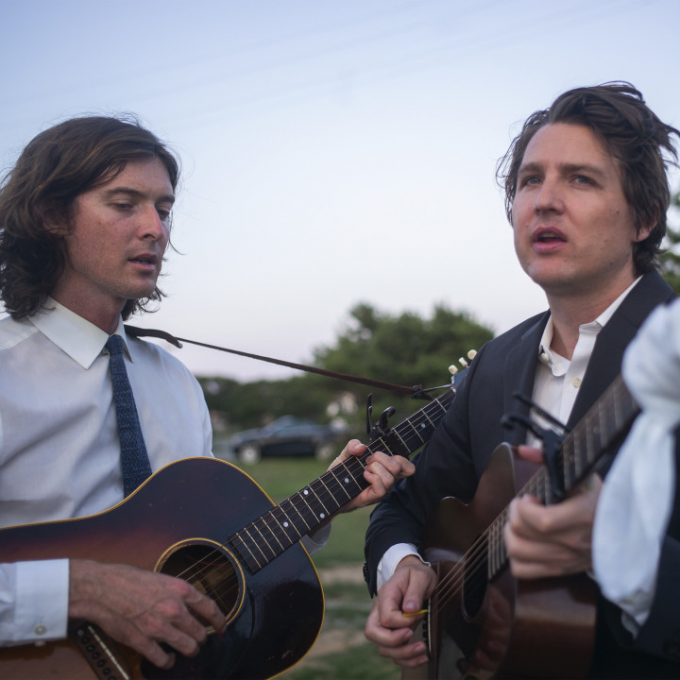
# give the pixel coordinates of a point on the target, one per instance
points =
(74, 335)
(553, 360)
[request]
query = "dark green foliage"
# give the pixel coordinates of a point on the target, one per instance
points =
(249, 405)
(405, 349)
(671, 259)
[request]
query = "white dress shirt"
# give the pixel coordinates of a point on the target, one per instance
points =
(59, 450)
(556, 387)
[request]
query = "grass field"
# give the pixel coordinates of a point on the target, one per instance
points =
(341, 651)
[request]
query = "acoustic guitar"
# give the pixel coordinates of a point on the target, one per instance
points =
(481, 621)
(204, 520)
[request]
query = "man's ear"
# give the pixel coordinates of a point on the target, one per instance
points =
(53, 223)
(645, 230)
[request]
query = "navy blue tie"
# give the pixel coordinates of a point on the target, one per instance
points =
(134, 460)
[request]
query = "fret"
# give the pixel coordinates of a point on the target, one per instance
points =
(415, 431)
(305, 497)
(268, 520)
(380, 444)
(323, 505)
(567, 471)
(590, 446)
(244, 533)
(578, 458)
(285, 524)
(342, 484)
(602, 428)
(596, 428)
(404, 443)
(264, 540)
(309, 499)
(291, 502)
(618, 414)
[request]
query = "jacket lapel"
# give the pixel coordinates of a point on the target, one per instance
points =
(519, 372)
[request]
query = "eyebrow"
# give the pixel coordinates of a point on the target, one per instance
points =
(108, 193)
(564, 167)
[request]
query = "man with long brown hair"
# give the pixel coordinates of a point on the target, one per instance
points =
(85, 217)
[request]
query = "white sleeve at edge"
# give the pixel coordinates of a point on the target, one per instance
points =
(33, 601)
(389, 561)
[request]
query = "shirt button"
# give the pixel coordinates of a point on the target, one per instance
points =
(40, 630)
(576, 382)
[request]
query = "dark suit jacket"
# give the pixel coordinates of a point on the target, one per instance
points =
(455, 458)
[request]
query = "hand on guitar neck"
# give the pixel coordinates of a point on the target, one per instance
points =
(393, 614)
(381, 471)
(556, 540)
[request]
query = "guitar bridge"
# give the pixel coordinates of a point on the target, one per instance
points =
(94, 646)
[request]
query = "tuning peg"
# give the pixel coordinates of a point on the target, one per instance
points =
(463, 362)
(472, 354)
(453, 369)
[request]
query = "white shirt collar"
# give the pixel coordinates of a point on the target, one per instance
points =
(553, 360)
(80, 339)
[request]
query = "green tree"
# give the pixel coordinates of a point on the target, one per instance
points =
(405, 349)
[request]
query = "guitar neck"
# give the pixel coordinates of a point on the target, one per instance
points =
(267, 537)
(603, 427)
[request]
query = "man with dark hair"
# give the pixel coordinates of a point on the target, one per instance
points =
(85, 220)
(586, 195)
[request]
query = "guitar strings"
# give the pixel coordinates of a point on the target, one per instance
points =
(409, 435)
(617, 402)
(199, 570)
(449, 586)
(476, 556)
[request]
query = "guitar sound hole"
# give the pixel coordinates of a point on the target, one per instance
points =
(474, 586)
(211, 570)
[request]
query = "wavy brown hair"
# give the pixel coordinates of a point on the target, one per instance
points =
(58, 165)
(632, 134)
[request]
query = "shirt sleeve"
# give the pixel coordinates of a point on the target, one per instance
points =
(316, 540)
(33, 601)
(389, 561)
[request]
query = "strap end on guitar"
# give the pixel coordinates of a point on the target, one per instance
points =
(137, 332)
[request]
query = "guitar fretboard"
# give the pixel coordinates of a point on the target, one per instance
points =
(268, 536)
(603, 426)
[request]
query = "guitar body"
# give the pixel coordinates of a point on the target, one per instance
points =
(500, 628)
(183, 514)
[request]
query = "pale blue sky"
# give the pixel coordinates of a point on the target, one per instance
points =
(332, 151)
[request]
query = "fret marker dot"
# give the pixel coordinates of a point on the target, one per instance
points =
(305, 492)
(346, 480)
(285, 524)
(422, 425)
(322, 515)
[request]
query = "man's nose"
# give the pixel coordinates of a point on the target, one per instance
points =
(549, 196)
(152, 226)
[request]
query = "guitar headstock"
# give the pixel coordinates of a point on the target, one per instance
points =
(456, 373)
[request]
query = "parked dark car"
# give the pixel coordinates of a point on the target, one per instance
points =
(286, 436)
